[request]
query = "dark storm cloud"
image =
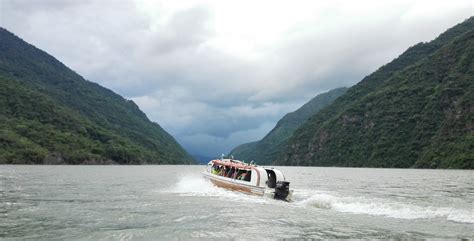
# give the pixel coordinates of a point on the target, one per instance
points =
(217, 74)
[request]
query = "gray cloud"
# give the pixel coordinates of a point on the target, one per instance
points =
(215, 74)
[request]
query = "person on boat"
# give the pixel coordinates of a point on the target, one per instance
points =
(215, 169)
(231, 172)
(236, 173)
(242, 176)
(223, 171)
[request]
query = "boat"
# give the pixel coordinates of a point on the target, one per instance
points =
(248, 178)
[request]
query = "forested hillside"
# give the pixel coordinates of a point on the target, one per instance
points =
(51, 115)
(266, 150)
(416, 111)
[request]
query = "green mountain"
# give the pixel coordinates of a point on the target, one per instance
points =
(416, 111)
(266, 150)
(51, 115)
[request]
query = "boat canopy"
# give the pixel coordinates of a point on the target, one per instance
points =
(238, 165)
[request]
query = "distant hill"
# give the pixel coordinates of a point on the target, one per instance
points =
(266, 150)
(51, 115)
(416, 111)
(202, 159)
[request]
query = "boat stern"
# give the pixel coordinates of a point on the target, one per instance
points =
(282, 191)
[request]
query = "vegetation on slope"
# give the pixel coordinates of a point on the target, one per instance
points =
(50, 114)
(266, 150)
(416, 111)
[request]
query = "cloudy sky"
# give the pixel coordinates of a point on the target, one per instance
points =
(216, 74)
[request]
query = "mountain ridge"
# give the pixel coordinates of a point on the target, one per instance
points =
(108, 128)
(349, 132)
(265, 150)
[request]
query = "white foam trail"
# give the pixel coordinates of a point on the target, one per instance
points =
(461, 217)
(198, 186)
(193, 185)
(381, 207)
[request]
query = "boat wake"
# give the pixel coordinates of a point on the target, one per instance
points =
(196, 185)
(379, 207)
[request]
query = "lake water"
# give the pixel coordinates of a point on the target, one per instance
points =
(175, 202)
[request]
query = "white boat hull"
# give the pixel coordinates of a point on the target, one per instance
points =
(234, 184)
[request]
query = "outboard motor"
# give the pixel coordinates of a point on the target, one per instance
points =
(282, 190)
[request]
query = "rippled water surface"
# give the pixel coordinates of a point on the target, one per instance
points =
(175, 202)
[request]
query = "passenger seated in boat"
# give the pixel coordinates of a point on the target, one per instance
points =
(248, 176)
(236, 173)
(237, 176)
(242, 176)
(231, 172)
(222, 171)
(215, 170)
